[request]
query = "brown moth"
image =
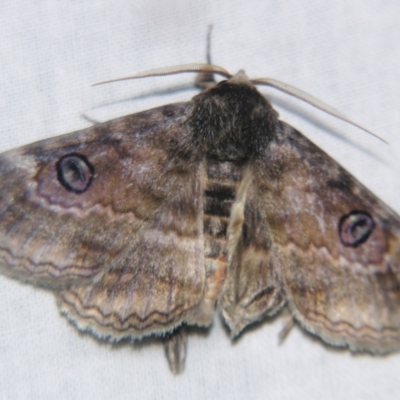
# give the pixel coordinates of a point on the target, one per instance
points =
(147, 223)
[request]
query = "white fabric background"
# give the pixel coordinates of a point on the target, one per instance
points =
(346, 53)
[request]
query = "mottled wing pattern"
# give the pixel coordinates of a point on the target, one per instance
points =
(253, 287)
(112, 216)
(336, 244)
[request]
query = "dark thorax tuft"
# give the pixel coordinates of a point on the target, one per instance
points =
(232, 121)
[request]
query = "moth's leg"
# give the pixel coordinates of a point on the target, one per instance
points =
(88, 119)
(288, 324)
(175, 345)
(206, 80)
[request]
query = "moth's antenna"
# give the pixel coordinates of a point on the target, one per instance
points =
(300, 94)
(205, 80)
(178, 69)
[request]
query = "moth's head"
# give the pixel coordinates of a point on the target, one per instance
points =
(241, 79)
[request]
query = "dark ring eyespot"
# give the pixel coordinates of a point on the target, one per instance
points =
(75, 172)
(355, 228)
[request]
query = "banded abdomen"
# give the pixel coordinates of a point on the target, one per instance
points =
(223, 179)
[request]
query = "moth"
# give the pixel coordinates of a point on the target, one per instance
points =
(148, 223)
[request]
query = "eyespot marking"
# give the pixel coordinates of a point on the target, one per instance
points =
(75, 172)
(355, 228)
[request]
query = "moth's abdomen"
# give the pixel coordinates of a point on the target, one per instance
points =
(219, 195)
